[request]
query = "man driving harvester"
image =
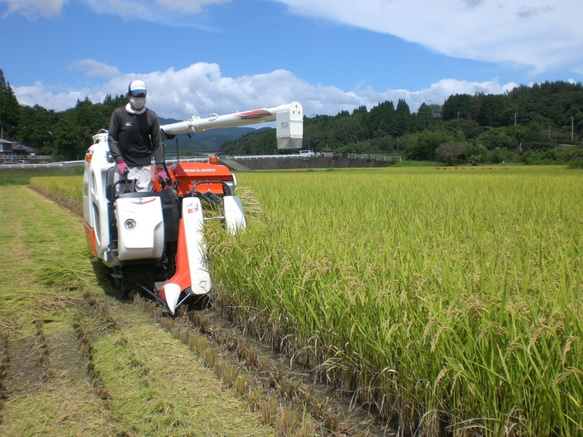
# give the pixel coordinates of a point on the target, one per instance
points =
(134, 138)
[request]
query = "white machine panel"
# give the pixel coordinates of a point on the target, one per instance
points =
(193, 228)
(140, 228)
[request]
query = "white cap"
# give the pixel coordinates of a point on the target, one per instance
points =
(137, 87)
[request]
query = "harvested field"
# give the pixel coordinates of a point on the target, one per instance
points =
(75, 361)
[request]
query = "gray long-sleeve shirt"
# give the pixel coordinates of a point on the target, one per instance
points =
(135, 137)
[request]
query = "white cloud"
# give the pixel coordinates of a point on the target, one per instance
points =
(540, 34)
(147, 10)
(58, 100)
(188, 6)
(201, 89)
(93, 68)
(33, 9)
(169, 12)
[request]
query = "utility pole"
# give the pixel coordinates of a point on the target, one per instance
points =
(572, 127)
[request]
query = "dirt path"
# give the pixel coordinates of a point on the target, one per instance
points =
(76, 361)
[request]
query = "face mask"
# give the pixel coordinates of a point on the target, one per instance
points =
(138, 102)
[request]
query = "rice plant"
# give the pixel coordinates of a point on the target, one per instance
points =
(68, 186)
(447, 298)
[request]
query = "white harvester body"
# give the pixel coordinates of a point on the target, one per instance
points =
(162, 232)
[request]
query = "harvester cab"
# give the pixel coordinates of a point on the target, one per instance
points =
(158, 236)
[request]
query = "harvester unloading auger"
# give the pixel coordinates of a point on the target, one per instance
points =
(161, 232)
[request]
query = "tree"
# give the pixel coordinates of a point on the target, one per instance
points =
(493, 110)
(9, 109)
(423, 118)
(498, 138)
(69, 138)
(379, 120)
(347, 130)
(469, 129)
(422, 146)
(451, 152)
(402, 121)
(36, 128)
(459, 106)
(537, 137)
(491, 127)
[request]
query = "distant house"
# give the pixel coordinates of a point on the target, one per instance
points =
(12, 151)
(5, 148)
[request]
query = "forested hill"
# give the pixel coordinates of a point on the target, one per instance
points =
(543, 122)
(209, 141)
(539, 123)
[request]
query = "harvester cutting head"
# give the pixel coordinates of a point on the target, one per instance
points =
(198, 178)
(197, 185)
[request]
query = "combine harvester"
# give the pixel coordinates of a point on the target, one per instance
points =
(162, 233)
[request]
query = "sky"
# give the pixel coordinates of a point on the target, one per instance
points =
(199, 57)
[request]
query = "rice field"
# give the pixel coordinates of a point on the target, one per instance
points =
(449, 299)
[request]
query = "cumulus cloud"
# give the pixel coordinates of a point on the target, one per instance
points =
(200, 89)
(540, 34)
(165, 11)
(33, 9)
(169, 12)
(55, 99)
(188, 6)
(93, 68)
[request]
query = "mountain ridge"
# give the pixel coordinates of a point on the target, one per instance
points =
(207, 141)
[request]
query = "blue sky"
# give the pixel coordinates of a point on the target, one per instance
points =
(219, 56)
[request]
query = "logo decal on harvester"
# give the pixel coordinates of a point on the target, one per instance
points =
(198, 170)
(192, 210)
(258, 113)
(141, 201)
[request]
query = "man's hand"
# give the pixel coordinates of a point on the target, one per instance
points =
(122, 167)
(162, 174)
